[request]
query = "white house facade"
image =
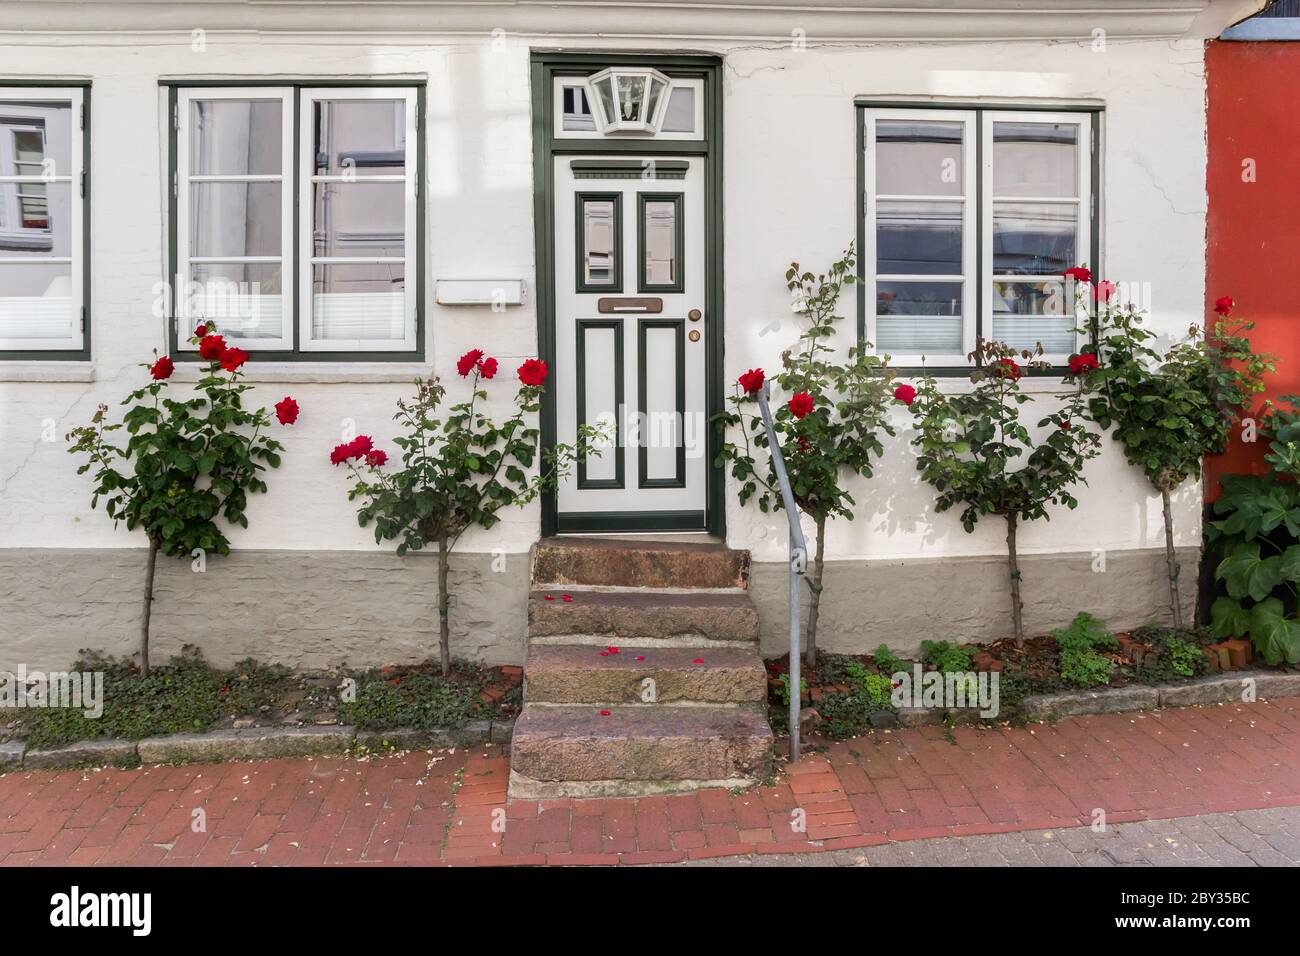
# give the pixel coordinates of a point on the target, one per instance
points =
(360, 193)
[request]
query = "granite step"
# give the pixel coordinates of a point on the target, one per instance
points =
(621, 750)
(628, 614)
(617, 562)
(589, 674)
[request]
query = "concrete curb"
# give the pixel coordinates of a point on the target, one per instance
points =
(255, 743)
(1217, 689)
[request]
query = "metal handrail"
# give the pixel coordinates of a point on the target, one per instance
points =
(798, 565)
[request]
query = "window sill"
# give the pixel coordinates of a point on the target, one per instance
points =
(320, 373)
(1029, 384)
(47, 371)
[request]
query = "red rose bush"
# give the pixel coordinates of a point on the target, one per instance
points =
(188, 464)
(454, 472)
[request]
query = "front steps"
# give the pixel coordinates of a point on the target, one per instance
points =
(647, 679)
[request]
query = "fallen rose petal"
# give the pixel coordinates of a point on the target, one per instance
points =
(612, 650)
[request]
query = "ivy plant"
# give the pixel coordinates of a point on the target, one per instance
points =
(457, 471)
(188, 464)
(975, 451)
(829, 426)
(1168, 409)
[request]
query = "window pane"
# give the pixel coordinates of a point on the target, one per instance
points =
(38, 301)
(918, 238)
(235, 219)
(363, 136)
(359, 219)
(577, 111)
(599, 234)
(364, 301)
(244, 299)
(918, 158)
(236, 137)
(1034, 238)
(680, 115)
(918, 298)
(659, 244)
(36, 220)
(33, 133)
(1035, 159)
(1025, 313)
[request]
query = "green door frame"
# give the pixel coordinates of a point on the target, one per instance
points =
(545, 66)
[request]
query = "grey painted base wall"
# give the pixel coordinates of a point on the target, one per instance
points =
(320, 610)
(307, 610)
(904, 602)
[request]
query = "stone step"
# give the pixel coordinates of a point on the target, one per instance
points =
(618, 562)
(576, 751)
(579, 674)
(713, 615)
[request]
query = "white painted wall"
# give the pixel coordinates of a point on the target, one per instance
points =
(790, 192)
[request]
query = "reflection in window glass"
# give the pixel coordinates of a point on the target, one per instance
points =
(236, 137)
(1034, 238)
(360, 136)
(659, 244)
(39, 305)
(359, 219)
(599, 235)
(235, 219)
(679, 117)
(244, 299)
(1035, 160)
(918, 238)
(576, 110)
(359, 213)
(918, 158)
(1027, 313)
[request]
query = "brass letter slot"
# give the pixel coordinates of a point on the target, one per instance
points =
(609, 305)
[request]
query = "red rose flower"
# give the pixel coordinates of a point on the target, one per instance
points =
(751, 381)
(162, 368)
(1103, 290)
(232, 358)
(286, 410)
(801, 404)
(803, 444)
(1223, 305)
(341, 453)
(1082, 363)
(1065, 425)
(376, 458)
(467, 362)
(488, 367)
(533, 373)
(201, 331)
(212, 347)
(1007, 368)
(905, 394)
(361, 446)
(1079, 274)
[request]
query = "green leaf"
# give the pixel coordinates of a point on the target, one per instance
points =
(1228, 618)
(1274, 635)
(1246, 573)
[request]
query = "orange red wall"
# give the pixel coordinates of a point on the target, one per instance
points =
(1253, 228)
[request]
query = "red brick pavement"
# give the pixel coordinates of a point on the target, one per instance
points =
(449, 807)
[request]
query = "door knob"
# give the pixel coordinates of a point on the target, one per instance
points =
(693, 315)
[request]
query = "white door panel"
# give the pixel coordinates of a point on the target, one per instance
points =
(636, 241)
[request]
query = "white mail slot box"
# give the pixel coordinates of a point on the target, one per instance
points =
(480, 292)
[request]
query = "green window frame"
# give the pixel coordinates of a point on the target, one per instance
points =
(976, 193)
(301, 249)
